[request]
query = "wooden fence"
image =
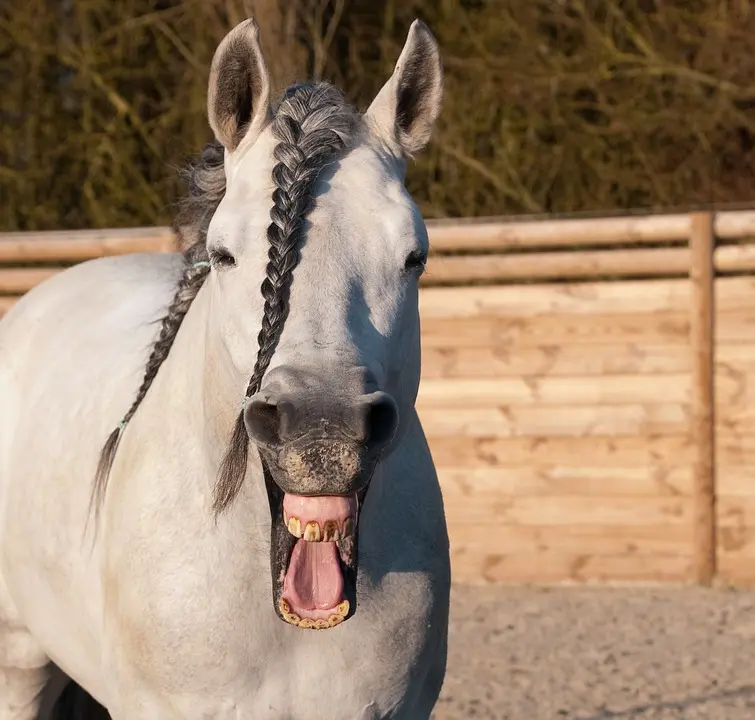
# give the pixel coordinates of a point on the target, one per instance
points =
(587, 403)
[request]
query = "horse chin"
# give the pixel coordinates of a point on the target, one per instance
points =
(313, 556)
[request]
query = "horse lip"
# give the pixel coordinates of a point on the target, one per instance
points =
(315, 467)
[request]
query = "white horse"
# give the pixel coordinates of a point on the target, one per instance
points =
(206, 578)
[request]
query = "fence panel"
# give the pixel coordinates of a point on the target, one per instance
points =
(587, 403)
(570, 459)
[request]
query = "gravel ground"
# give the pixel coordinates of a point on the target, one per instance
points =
(600, 654)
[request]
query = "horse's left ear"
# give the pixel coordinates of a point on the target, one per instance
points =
(238, 95)
(405, 110)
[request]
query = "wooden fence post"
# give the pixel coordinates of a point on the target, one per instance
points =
(702, 277)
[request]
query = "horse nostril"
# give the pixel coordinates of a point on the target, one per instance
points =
(268, 421)
(376, 420)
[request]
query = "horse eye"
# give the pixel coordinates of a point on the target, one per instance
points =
(222, 258)
(415, 262)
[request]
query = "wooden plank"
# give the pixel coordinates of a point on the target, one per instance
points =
(492, 483)
(735, 557)
(735, 354)
(736, 540)
(605, 452)
(471, 565)
(546, 390)
(735, 392)
(736, 480)
(636, 358)
(734, 224)
(734, 258)
(498, 235)
(6, 303)
(736, 422)
(79, 245)
(734, 450)
(735, 550)
(508, 334)
(474, 235)
(470, 236)
(568, 510)
(538, 420)
(596, 539)
(735, 571)
(734, 294)
(14, 281)
(738, 425)
(702, 275)
(463, 269)
(517, 301)
(735, 327)
(735, 511)
(735, 388)
(735, 402)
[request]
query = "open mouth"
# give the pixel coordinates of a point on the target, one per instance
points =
(314, 556)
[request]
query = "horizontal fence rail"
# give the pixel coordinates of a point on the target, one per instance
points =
(462, 253)
(588, 389)
(449, 236)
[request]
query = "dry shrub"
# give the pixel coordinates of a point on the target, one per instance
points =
(552, 105)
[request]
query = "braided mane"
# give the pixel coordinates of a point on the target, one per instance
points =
(313, 125)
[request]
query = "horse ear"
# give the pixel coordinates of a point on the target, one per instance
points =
(238, 96)
(405, 110)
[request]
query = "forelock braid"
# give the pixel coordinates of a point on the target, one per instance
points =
(313, 125)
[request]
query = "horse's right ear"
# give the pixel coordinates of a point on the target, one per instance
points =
(238, 96)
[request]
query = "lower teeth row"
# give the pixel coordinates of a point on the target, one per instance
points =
(340, 614)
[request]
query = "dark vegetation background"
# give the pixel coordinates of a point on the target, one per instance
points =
(552, 106)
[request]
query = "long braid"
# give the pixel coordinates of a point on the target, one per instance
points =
(313, 125)
(206, 180)
(191, 281)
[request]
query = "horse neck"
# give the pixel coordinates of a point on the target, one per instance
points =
(200, 391)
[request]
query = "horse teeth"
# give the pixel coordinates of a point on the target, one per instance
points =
(341, 611)
(294, 526)
(330, 532)
(312, 532)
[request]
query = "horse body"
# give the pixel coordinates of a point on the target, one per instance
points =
(157, 605)
(72, 351)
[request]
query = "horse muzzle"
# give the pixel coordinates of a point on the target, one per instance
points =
(319, 455)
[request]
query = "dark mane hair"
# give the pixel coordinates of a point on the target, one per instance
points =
(314, 125)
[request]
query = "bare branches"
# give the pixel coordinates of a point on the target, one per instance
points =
(550, 106)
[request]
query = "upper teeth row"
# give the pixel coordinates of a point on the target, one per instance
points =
(312, 532)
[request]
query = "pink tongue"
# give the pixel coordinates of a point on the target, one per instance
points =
(313, 579)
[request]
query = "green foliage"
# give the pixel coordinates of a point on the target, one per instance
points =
(551, 105)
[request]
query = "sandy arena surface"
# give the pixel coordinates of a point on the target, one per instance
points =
(600, 654)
